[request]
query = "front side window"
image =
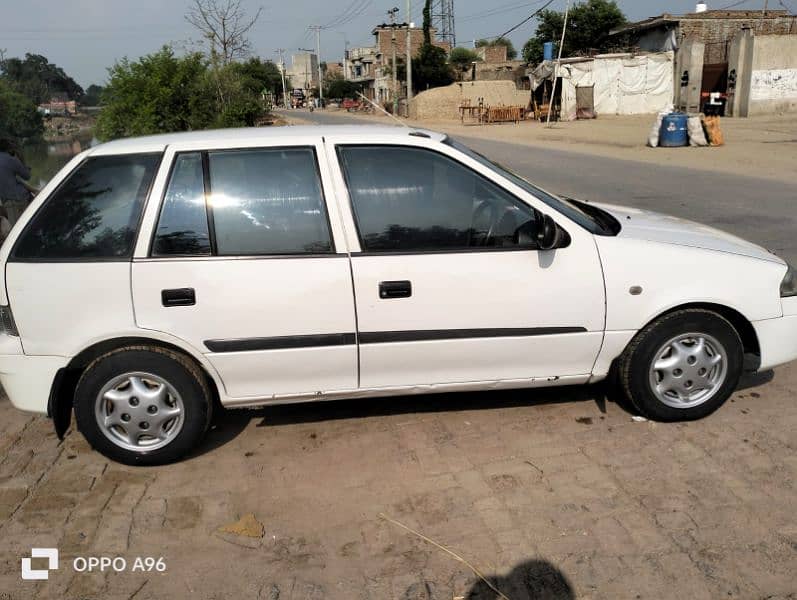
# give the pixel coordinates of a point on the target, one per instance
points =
(183, 224)
(94, 214)
(410, 199)
(268, 201)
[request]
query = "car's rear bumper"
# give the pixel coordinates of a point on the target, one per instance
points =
(28, 380)
(777, 338)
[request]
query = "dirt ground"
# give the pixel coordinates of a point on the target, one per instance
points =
(758, 146)
(550, 494)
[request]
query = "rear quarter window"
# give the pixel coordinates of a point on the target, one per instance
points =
(94, 214)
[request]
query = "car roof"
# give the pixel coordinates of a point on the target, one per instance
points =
(158, 143)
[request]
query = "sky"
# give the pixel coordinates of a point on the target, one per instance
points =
(85, 37)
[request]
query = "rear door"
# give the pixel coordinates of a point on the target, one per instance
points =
(245, 265)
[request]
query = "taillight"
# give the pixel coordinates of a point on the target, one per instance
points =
(7, 325)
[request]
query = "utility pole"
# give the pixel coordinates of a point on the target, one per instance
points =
(280, 51)
(345, 55)
(764, 12)
(317, 29)
(394, 88)
(558, 62)
(409, 55)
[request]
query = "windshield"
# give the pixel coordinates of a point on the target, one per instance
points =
(571, 210)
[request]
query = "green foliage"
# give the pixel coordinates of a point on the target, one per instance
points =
(430, 69)
(39, 79)
(511, 53)
(19, 118)
(93, 95)
(162, 92)
(338, 87)
(461, 59)
(427, 23)
(259, 75)
(588, 27)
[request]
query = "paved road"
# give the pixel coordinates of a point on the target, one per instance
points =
(760, 210)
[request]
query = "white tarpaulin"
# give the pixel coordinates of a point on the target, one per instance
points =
(624, 84)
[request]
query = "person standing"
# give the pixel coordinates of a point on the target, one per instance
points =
(15, 194)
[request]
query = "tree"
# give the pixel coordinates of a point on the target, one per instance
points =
(39, 79)
(162, 92)
(224, 25)
(258, 75)
(588, 27)
(19, 119)
(430, 69)
(462, 59)
(93, 95)
(338, 87)
(511, 53)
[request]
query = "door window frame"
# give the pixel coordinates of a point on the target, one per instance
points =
(476, 173)
(48, 197)
(456, 159)
(327, 203)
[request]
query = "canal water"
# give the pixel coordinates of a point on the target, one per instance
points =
(45, 159)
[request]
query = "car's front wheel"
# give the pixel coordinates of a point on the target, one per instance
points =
(682, 366)
(143, 405)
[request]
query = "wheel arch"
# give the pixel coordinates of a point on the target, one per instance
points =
(62, 392)
(740, 323)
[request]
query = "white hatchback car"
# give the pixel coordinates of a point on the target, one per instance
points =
(155, 277)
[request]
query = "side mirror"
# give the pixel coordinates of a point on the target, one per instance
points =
(549, 236)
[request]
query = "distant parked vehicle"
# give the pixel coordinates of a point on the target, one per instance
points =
(154, 278)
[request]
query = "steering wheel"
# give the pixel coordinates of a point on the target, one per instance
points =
(496, 215)
(480, 213)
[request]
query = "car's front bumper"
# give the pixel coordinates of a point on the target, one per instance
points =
(777, 338)
(28, 380)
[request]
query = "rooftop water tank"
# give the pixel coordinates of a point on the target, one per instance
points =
(701, 7)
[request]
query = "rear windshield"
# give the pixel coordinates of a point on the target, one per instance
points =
(94, 214)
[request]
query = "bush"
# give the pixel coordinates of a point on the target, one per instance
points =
(19, 118)
(162, 93)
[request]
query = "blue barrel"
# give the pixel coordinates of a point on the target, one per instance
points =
(547, 51)
(674, 131)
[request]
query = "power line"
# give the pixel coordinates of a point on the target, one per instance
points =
(734, 5)
(497, 10)
(523, 22)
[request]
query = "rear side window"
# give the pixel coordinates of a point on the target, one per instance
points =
(183, 224)
(94, 214)
(268, 201)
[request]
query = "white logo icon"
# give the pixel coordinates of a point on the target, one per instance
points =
(51, 554)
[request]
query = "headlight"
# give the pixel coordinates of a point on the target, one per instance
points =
(788, 287)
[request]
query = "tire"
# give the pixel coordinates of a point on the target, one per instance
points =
(709, 372)
(143, 405)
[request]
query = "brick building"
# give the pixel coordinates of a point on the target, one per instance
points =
(702, 43)
(384, 39)
(372, 65)
(714, 28)
(492, 54)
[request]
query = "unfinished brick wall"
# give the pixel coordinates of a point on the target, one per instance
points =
(717, 30)
(384, 40)
(492, 54)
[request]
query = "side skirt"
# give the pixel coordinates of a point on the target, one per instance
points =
(467, 386)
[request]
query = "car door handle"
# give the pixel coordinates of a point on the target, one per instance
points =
(178, 297)
(395, 289)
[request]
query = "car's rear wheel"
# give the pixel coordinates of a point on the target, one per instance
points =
(682, 366)
(143, 405)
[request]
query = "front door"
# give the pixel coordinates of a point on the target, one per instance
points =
(449, 285)
(243, 267)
